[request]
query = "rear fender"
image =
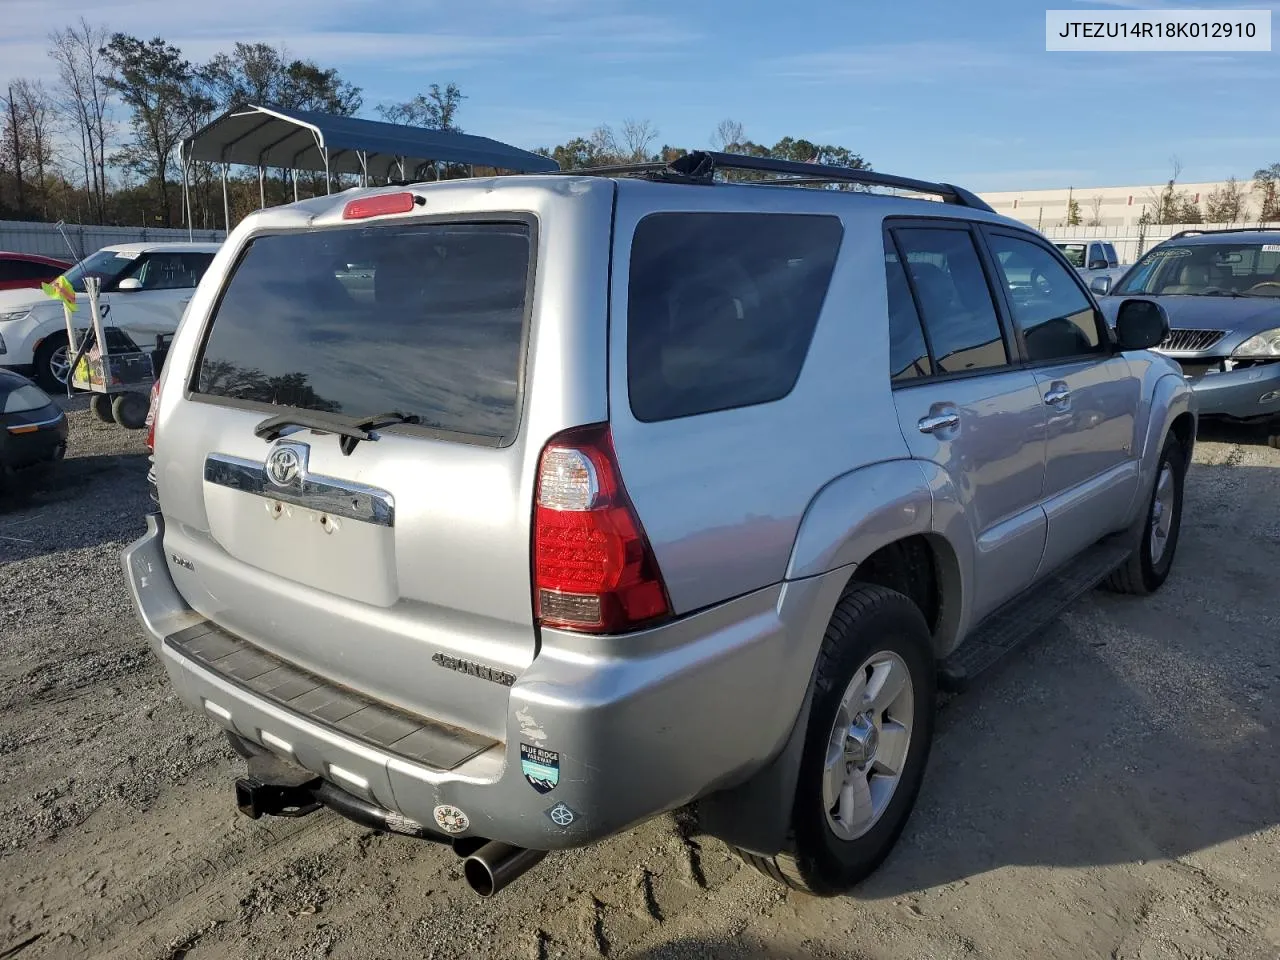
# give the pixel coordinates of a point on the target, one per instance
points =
(850, 519)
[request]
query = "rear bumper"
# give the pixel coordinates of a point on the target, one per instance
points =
(628, 727)
(1240, 394)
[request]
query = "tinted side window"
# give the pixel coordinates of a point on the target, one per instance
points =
(172, 271)
(43, 271)
(953, 295)
(27, 270)
(722, 307)
(1056, 318)
(908, 354)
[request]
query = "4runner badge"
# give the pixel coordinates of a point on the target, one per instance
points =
(287, 464)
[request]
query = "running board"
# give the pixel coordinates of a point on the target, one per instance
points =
(1027, 615)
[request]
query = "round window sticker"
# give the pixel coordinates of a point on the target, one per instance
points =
(450, 818)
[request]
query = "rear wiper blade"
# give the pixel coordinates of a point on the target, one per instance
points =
(387, 420)
(273, 427)
(351, 433)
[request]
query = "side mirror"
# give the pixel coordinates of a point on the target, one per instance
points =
(129, 283)
(1141, 324)
(1101, 286)
(1097, 264)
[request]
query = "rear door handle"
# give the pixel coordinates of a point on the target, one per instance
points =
(1057, 396)
(941, 421)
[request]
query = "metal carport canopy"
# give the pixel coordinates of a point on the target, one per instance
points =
(302, 140)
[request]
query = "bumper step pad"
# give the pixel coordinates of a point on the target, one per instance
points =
(421, 740)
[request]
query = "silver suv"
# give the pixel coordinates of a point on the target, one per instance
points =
(589, 497)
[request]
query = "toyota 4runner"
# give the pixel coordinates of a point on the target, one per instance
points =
(603, 495)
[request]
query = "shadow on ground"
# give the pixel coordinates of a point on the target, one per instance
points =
(743, 948)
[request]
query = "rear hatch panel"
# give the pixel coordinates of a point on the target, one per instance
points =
(402, 568)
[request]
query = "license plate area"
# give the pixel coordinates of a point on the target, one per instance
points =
(338, 539)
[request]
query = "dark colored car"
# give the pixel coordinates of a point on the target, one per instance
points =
(33, 429)
(1221, 290)
(21, 270)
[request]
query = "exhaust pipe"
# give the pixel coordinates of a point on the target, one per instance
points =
(496, 864)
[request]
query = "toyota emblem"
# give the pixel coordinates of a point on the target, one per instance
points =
(286, 465)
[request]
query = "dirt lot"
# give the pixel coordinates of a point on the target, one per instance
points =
(1114, 791)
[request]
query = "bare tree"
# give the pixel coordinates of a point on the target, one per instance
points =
(605, 144)
(1227, 204)
(13, 144)
(1095, 210)
(1172, 205)
(637, 137)
(1265, 182)
(35, 110)
(728, 134)
(78, 53)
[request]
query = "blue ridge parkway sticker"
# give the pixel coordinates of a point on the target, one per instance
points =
(541, 767)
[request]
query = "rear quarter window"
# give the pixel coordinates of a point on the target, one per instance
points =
(722, 307)
(426, 320)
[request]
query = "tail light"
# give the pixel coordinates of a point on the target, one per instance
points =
(151, 415)
(593, 568)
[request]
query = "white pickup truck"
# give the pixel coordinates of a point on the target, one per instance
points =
(1092, 258)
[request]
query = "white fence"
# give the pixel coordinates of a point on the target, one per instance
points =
(21, 236)
(1132, 242)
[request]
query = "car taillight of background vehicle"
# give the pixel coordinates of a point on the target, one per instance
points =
(593, 568)
(151, 416)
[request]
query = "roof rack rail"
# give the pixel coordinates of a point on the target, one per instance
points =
(1196, 233)
(701, 166)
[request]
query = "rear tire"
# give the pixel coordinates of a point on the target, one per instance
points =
(1148, 566)
(100, 404)
(873, 629)
(130, 410)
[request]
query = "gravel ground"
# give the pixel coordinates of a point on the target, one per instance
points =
(1111, 792)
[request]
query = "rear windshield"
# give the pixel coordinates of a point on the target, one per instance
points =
(423, 320)
(1074, 252)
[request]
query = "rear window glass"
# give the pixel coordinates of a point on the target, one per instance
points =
(425, 320)
(722, 307)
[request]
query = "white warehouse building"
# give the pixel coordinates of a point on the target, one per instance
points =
(1107, 206)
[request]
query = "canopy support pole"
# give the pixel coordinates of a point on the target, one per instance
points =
(327, 188)
(262, 186)
(186, 196)
(294, 171)
(226, 204)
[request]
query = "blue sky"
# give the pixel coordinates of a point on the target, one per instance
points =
(957, 91)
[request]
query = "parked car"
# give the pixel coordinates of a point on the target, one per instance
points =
(19, 271)
(623, 492)
(1221, 291)
(145, 288)
(33, 429)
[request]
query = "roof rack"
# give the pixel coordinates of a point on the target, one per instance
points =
(701, 166)
(1196, 233)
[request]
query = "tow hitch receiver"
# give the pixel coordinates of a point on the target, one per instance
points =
(255, 798)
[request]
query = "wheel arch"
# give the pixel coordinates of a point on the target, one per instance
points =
(875, 523)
